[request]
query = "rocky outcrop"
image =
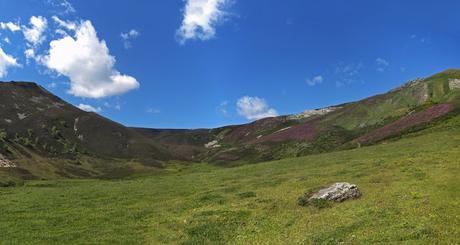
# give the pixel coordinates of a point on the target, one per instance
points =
(454, 84)
(5, 163)
(212, 144)
(311, 113)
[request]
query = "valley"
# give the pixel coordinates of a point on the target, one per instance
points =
(409, 187)
(69, 176)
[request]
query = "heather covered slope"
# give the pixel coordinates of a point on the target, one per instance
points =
(414, 106)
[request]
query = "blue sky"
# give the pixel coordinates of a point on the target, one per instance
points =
(208, 63)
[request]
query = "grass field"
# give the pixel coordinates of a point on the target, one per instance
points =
(410, 195)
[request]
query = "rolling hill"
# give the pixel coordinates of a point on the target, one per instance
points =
(45, 137)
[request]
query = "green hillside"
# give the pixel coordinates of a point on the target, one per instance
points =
(48, 138)
(410, 196)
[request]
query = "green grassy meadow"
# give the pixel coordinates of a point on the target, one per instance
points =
(410, 196)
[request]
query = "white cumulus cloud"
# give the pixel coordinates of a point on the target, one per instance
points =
(254, 108)
(6, 61)
(10, 26)
(87, 62)
(315, 81)
(35, 33)
(200, 18)
(89, 108)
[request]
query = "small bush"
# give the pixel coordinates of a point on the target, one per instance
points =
(317, 203)
(9, 183)
(320, 203)
(3, 135)
(30, 133)
(55, 132)
(302, 201)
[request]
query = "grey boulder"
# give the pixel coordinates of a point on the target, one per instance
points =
(337, 192)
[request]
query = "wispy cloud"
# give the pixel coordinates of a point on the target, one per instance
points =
(128, 36)
(69, 25)
(382, 64)
(421, 39)
(315, 80)
(254, 108)
(223, 108)
(153, 110)
(89, 108)
(200, 19)
(347, 73)
(63, 6)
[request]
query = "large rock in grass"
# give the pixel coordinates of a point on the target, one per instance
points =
(337, 192)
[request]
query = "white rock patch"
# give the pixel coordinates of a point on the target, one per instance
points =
(454, 84)
(22, 116)
(5, 163)
(212, 144)
(317, 112)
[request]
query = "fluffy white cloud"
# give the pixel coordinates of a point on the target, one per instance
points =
(87, 62)
(128, 36)
(10, 26)
(89, 108)
(35, 33)
(254, 108)
(6, 61)
(200, 18)
(314, 81)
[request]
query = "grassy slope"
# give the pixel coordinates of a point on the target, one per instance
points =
(410, 191)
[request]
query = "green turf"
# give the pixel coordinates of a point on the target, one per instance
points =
(410, 196)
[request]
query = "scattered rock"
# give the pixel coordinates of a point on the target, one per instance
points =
(212, 144)
(5, 163)
(22, 116)
(337, 192)
(454, 84)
